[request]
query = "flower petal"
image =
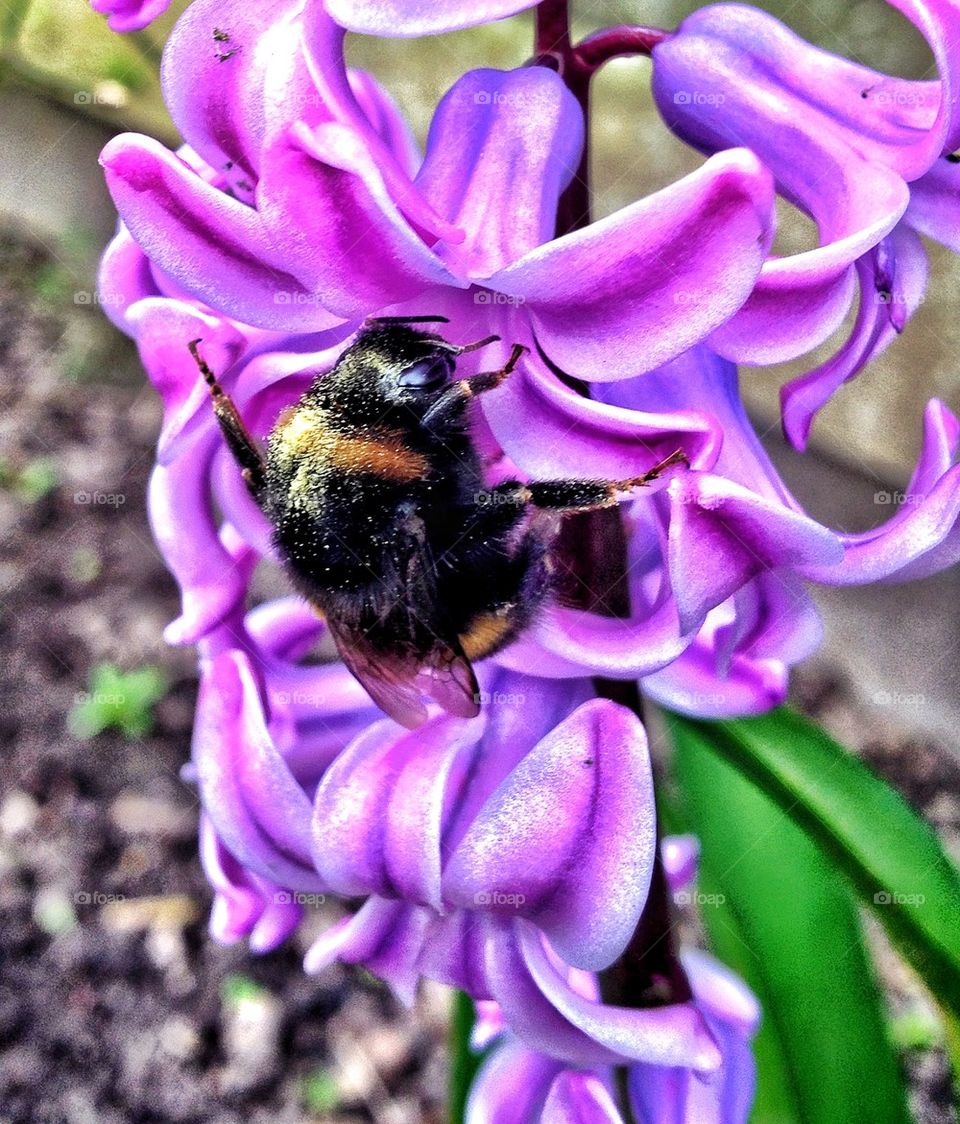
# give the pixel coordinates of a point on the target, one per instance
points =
(511, 1086)
(722, 535)
(502, 147)
(323, 198)
(214, 88)
(409, 18)
(378, 812)
(935, 203)
(892, 281)
(573, 431)
(924, 536)
(215, 247)
(212, 576)
(653, 279)
(579, 1098)
(542, 1009)
(586, 889)
(257, 808)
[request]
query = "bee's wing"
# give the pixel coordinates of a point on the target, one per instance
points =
(398, 682)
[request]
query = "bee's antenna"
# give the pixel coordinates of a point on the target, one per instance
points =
(372, 320)
(209, 377)
(457, 349)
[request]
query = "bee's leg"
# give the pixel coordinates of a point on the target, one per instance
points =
(241, 443)
(459, 392)
(585, 495)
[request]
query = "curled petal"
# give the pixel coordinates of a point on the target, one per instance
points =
(323, 53)
(378, 813)
(734, 74)
(323, 199)
(653, 279)
(579, 1098)
(162, 328)
(502, 147)
(124, 278)
(219, 109)
(257, 808)
(511, 1086)
(130, 15)
(544, 1011)
(244, 905)
(935, 203)
(214, 246)
(892, 282)
(573, 431)
(680, 854)
(569, 643)
(212, 576)
(924, 536)
(587, 888)
(722, 535)
(403, 19)
(386, 937)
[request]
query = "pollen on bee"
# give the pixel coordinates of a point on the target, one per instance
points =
(306, 435)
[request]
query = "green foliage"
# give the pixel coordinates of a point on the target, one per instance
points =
(320, 1092)
(120, 700)
(237, 988)
(776, 910)
(31, 483)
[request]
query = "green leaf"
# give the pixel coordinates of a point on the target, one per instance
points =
(894, 859)
(777, 912)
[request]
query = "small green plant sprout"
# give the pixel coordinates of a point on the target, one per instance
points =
(320, 1092)
(119, 700)
(31, 483)
(237, 989)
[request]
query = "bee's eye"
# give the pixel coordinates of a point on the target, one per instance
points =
(428, 374)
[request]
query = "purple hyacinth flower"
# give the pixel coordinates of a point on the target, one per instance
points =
(326, 221)
(862, 153)
(520, 1085)
(130, 15)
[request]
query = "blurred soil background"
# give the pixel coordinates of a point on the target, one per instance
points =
(115, 1006)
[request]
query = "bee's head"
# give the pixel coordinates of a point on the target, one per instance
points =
(403, 365)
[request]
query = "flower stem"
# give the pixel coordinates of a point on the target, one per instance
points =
(593, 547)
(616, 43)
(463, 1062)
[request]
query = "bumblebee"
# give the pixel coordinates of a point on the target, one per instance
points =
(384, 522)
